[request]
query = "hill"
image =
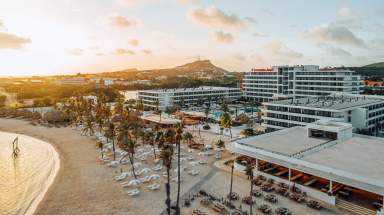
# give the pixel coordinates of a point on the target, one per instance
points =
(196, 69)
(376, 65)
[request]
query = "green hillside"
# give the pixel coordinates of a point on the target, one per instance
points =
(376, 65)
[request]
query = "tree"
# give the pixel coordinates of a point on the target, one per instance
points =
(188, 137)
(3, 98)
(88, 128)
(226, 122)
(249, 173)
(248, 132)
(128, 145)
(100, 146)
(149, 138)
(166, 156)
(179, 132)
(110, 133)
(207, 110)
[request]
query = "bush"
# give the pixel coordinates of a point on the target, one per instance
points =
(206, 127)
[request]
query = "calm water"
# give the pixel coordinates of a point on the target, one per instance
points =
(24, 180)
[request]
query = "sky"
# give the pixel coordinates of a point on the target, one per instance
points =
(50, 37)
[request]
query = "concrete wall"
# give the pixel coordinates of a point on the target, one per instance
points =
(359, 118)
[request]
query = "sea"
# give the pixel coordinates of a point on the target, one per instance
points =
(25, 179)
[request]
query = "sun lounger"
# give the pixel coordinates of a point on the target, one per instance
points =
(154, 186)
(193, 172)
(113, 164)
(157, 168)
(133, 192)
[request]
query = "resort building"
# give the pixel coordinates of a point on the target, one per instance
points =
(324, 159)
(186, 97)
(364, 112)
(281, 82)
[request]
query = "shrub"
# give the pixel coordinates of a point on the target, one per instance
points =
(206, 127)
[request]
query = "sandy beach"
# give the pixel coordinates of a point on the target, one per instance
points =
(82, 186)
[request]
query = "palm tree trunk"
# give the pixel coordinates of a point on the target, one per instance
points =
(250, 206)
(131, 160)
(168, 191)
(113, 148)
(178, 180)
(230, 188)
(230, 132)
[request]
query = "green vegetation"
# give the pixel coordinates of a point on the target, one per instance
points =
(377, 65)
(3, 98)
(46, 94)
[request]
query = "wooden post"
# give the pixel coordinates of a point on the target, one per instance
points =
(289, 174)
(330, 187)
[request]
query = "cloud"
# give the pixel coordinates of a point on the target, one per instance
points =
(134, 42)
(251, 19)
(121, 51)
(146, 51)
(76, 52)
(126, 3)
(121, 21)
(214, 17)
(335, 51)
(1, 24)
(189, 2)
(278, 50)
(11, 41)
(240, 57)
(329, 33)
(257, 34)
(223, 37)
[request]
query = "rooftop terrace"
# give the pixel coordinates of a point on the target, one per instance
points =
(333, 102)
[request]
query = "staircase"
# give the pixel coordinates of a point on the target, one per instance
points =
(355, 209)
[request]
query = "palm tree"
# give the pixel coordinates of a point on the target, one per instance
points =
(149, 138)
(188, 137)
(88, 126)
(127, 144)
(226, 121)
(220, 144)
(230, 187)
(179, 132)
(249, 173)
(206, 112)
(100, 146)
(110, 134)
(166, 156)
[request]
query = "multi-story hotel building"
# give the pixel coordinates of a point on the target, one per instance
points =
(364, 112)
(281, 82)
(153, 99)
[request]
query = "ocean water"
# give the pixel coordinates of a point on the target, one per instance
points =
(25, 179)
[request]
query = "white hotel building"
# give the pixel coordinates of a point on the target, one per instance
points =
(163, 98)
(364, 112)
(281, 82)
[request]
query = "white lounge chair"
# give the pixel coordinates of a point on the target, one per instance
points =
(133, 192)
(157, 167)
(154, 177)
(193, 172)
(154, 186)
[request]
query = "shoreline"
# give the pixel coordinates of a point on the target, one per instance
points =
(81, 185)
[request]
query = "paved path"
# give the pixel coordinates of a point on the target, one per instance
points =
(195, 187)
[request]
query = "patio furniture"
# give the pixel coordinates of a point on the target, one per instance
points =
(271, 198)
(266, 209)
(247, 200)
(282, 191)
(257, 193)
(133, 192)
(314, 204)
(282, 211)
(233, 196)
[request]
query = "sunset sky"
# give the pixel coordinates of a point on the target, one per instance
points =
(70, 36)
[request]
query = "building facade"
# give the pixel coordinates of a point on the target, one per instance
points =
(364, 112)
(281, 82)
(186, 97)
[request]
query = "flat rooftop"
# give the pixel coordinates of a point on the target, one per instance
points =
(332, 102)
(164, 120)
(285, 142)
(361, 155)
(357, 161)
(202, 88)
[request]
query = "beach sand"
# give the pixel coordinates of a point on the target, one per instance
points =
(82, 186)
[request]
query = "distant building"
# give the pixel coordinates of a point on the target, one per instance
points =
(186, 96)
(364, 112)
(281, 82)
(71, 81)
(374, 84)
